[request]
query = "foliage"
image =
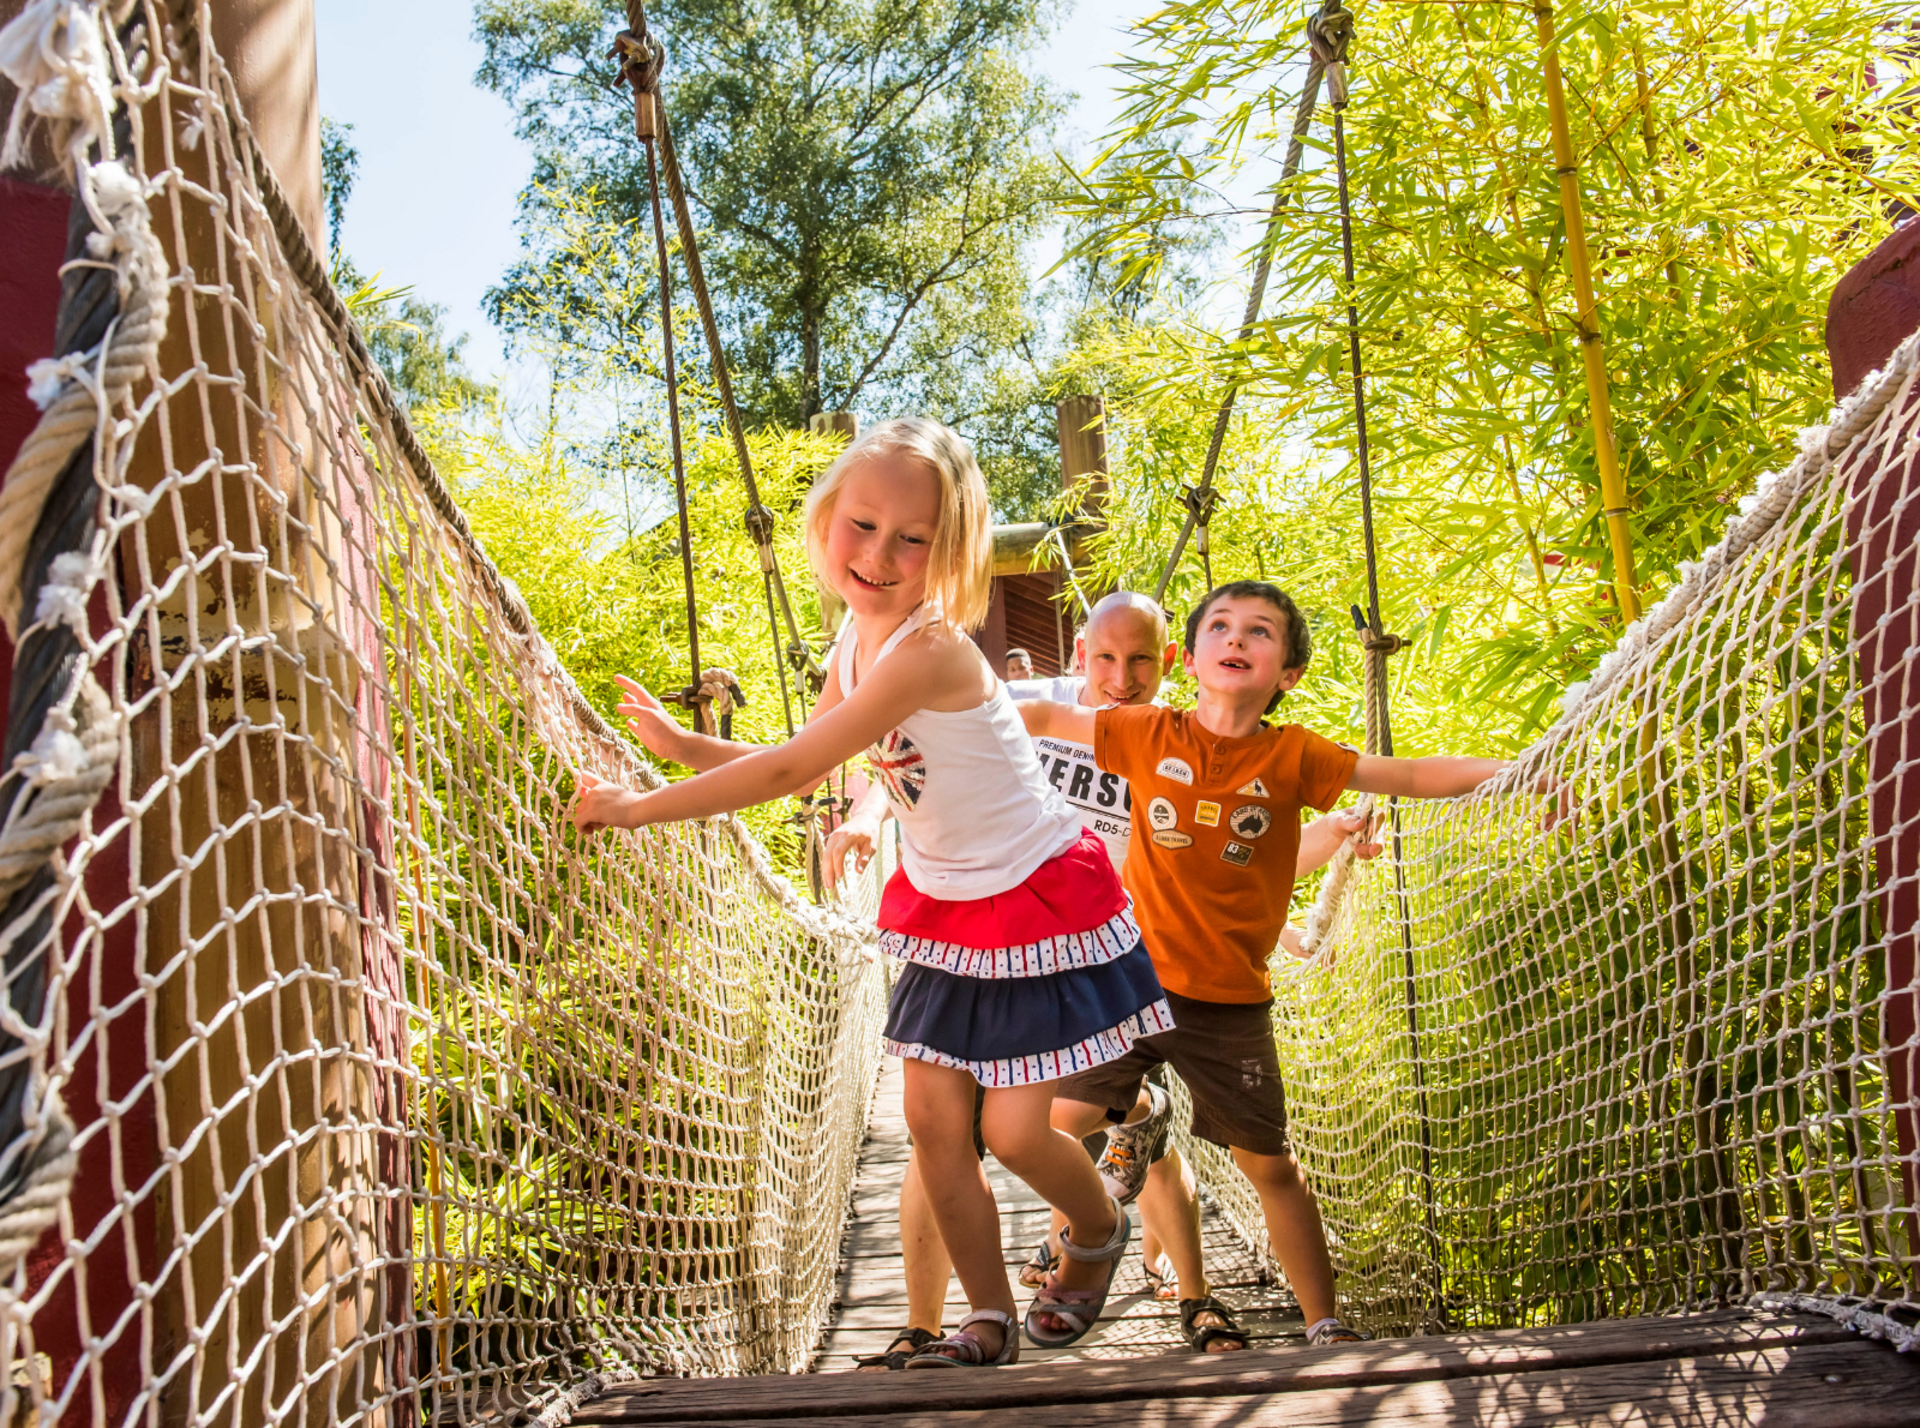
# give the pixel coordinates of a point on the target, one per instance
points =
(339, 167)
(1734, 159)
(407, 335)
(869, 171)
(607, 593)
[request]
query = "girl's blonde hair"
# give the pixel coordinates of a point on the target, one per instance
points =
(960, 564)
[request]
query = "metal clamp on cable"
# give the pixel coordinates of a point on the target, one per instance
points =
(1375, 641)
(641, 58)
(760, 523)
(1200, 501)
(1329, 33)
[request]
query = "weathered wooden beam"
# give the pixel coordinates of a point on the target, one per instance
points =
(1738, 1359)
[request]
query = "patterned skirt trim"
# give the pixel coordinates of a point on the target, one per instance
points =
(1083, 1055)
(1112, 939)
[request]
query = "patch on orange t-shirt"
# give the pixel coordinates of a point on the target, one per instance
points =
(1218, 825)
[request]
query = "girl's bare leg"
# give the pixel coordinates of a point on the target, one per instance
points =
(925, 1254)
(939, 1106)
(1055, 1165)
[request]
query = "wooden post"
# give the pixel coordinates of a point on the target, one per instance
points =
(844, 423)
(1083, 454)
(1613, 491)
(1083, 467)
(1873, 309)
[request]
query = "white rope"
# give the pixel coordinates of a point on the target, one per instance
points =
(1863, 1316)
(57, 54)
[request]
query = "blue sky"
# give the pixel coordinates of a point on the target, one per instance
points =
(439, 165)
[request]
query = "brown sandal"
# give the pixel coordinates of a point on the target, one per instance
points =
(895, 1358)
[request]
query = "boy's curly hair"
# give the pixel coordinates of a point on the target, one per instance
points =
(1299, 639)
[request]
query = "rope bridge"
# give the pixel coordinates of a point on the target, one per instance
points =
(336, 1084)
(1664, 1056)
(387, 1100)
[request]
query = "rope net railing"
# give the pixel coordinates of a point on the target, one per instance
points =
(1662, 1056)
(389, 1100)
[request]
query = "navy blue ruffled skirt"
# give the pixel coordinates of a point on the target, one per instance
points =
(1012, 1013)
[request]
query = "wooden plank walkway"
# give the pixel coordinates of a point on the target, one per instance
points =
(1724, 1370)
(873, 1301)
(1710, 1371)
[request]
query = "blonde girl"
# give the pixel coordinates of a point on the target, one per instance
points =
(1022, 963)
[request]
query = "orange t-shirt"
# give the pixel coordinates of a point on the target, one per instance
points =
(1216, 831)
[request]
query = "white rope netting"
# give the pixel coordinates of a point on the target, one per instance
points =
(390, 1101)
(395, 1101)
(1663, 1056)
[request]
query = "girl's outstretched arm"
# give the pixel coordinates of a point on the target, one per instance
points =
(924, 672)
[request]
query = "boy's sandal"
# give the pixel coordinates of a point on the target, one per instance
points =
(1041, 1263)
(963, 1349)
(1331, 1331)
(895, 1358)
(1079, 1308)
(1161, 1279)
(1200, 1336)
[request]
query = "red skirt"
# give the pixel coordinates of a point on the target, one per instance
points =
(1074, 893)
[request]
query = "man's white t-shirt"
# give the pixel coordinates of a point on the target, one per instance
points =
(1103, 800)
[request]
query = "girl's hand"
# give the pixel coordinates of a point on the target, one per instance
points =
(658, 731)
(598, 804)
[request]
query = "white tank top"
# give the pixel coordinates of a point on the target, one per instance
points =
(976, 812)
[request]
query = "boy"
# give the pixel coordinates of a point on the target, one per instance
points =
(1217, 795)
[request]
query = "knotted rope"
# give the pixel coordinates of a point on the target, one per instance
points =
(62, 740)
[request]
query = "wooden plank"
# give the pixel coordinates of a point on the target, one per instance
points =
(1809, 1385)
(1189, 1376)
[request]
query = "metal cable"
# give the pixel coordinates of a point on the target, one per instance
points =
(642, 58)
(1256, 296)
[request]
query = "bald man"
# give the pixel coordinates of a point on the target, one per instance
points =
(1125, 652)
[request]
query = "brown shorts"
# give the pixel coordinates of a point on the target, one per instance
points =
(1224, 1051)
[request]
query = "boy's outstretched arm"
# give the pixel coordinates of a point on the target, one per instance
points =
(1071, 722)
(1439, 776)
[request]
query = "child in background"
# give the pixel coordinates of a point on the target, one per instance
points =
(1023, 962)
(1217, 796)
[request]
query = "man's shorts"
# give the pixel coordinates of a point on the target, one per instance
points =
(1224, 1051)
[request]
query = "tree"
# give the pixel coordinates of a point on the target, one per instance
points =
(1735, 158)
(407, 335)
(868, 171)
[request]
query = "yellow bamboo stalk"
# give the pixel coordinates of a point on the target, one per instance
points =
(1613, 491)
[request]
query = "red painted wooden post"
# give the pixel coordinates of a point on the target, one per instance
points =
(1873, 309)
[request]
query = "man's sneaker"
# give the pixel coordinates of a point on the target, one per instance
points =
(1132, 1149)
(1332, 1331)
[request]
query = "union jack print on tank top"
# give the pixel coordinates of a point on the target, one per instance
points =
(899, 765)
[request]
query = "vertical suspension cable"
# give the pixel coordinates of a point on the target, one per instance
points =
(647, 106)
(1332, 33)
(1198, 499)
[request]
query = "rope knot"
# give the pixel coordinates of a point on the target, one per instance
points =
(720, 691)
